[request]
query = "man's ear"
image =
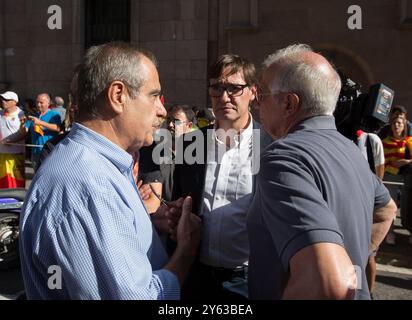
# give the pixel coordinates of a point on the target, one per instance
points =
(292, 104)
(253, 89)
(116, 95)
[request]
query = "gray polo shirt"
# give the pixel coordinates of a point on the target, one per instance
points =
(314, 186)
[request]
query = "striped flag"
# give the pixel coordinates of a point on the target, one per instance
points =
(38, 129)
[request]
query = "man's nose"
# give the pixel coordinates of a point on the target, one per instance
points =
(225, 96)
(161, 111)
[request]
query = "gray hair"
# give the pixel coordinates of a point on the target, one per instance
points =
(318, 90)
(59, 101)
(103, 64)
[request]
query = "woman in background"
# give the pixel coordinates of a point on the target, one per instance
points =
(398, 156)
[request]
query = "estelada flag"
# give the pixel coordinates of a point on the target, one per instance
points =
(39, 130)
(12, 171)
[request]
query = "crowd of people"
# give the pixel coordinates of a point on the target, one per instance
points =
(267, 203)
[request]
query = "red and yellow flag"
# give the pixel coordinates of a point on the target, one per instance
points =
(12, 171)
(38, 129)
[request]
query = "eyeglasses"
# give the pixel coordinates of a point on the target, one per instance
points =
(176, 122)
(234, 90)
(260, 96)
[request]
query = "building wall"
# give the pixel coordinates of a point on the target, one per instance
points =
(187, 35)
(39, 59)
(377, 53)
(176, 31)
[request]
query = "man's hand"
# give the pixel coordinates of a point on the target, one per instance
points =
(35, 120)
(188, 229)
(188, 233)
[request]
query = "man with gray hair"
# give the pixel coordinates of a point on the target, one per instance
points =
(310, 222)
(59, 102)
(83, 220)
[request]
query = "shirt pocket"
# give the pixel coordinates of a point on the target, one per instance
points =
(245, 180)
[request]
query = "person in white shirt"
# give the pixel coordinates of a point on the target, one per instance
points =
(370, 140)
(372, 149)
(222, 182)
(11, 155)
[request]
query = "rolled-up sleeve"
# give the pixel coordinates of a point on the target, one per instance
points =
(294, 207)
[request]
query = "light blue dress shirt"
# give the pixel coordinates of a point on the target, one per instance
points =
(83, 214)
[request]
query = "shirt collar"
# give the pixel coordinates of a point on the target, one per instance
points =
(315, 122)
(100, 144)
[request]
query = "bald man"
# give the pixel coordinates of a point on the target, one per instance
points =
(310, 222)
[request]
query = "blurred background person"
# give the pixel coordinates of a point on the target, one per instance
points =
(372, 149)
(59, 107)
(30, 107)
(205, 118)
(396, 111)
(41, 128)
(397, 146)
(157, 174)
(398, 150)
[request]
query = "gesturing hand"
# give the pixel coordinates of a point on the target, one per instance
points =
(189, 228)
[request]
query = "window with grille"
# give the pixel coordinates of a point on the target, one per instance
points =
(107, 20)
(406, 13)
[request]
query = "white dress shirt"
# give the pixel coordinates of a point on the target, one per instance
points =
(226, 199)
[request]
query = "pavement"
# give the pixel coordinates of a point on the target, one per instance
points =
(394, 267)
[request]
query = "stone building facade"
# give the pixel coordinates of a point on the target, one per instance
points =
(187, 35)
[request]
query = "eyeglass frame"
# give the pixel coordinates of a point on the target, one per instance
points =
(270, 93)
(175, 121)
(225, 89)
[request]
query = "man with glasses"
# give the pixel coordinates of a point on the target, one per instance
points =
(310, 222)
(222, 182)
(157, 173)
(180, 120)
